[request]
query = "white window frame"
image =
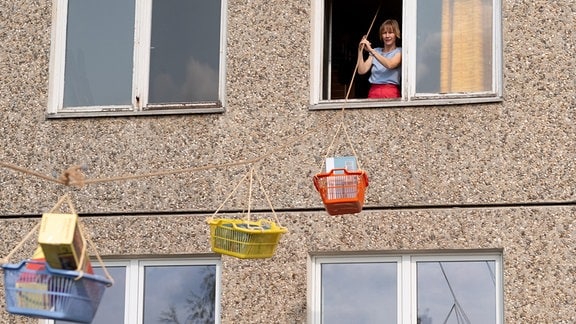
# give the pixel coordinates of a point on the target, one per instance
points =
(143, 17)
(134, 290)
(406, 281)
(409, 37)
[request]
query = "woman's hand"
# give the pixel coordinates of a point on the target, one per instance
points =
(365, 45)
(364, 65)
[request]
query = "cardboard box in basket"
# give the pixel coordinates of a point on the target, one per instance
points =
(62, 242)
(32, 288)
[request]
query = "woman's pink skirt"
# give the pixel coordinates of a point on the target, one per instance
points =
(384, 91)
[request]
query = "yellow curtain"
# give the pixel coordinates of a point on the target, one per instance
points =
(462, 50)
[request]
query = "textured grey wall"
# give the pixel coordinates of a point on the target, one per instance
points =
(517, 155)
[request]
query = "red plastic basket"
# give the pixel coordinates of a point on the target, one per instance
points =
(342, 191)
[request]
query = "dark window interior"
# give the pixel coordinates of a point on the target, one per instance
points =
(345, 23)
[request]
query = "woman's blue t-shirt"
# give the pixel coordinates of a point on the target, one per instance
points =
(382, 75)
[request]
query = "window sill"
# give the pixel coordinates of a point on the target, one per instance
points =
(80, 113)
(399, 103)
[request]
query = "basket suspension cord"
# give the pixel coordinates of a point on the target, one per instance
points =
(20, 244)
(250, 191)
(342, 125)
(267, 198)
(229, 196)
(93, 247)
(252, 174)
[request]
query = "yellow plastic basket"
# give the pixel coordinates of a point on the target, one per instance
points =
(245, 239)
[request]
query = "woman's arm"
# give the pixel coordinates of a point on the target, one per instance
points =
(363, 65)
(389, 63)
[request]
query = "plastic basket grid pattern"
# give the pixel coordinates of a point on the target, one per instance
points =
(52, 293)
(245, 239)
(343, 192)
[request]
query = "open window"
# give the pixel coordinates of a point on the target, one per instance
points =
(451, 51)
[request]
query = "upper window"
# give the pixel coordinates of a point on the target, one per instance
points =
(407, 289)
(160, 291)
(137, 57)
(450, 51)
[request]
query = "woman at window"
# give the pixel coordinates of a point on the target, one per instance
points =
(383, 62)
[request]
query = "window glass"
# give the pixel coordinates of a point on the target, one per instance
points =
(183, 294)
(111, 307)
(456, 292)
(99, 53)
(407, 289)
(184, 51)
(359, 293)
(454, 46)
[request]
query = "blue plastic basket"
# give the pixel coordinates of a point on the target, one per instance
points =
(36, 290)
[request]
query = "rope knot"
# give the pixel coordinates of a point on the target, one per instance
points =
(72, 176)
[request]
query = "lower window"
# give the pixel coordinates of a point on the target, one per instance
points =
(407, 289)
(160, 291)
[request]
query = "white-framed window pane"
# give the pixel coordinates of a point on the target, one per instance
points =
(179, 294)
(184, 51)
(359, 292)
(180, 290)
(455, 292)
(454, 50)
(411, 288)
(128, 57)
(99, 53)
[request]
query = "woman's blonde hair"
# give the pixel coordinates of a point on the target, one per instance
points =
(390, 24)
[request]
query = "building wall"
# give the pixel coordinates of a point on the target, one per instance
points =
(483, 176)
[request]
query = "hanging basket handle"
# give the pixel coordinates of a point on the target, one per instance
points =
(252, 174)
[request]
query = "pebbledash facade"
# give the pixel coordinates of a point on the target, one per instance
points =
(469, 213)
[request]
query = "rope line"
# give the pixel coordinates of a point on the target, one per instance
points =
(73, 176)
(30, 172)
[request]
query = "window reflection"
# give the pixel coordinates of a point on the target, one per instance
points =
(179, 294)
(359, 293)
(184, 59)
(454, 46)
(456, 292)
